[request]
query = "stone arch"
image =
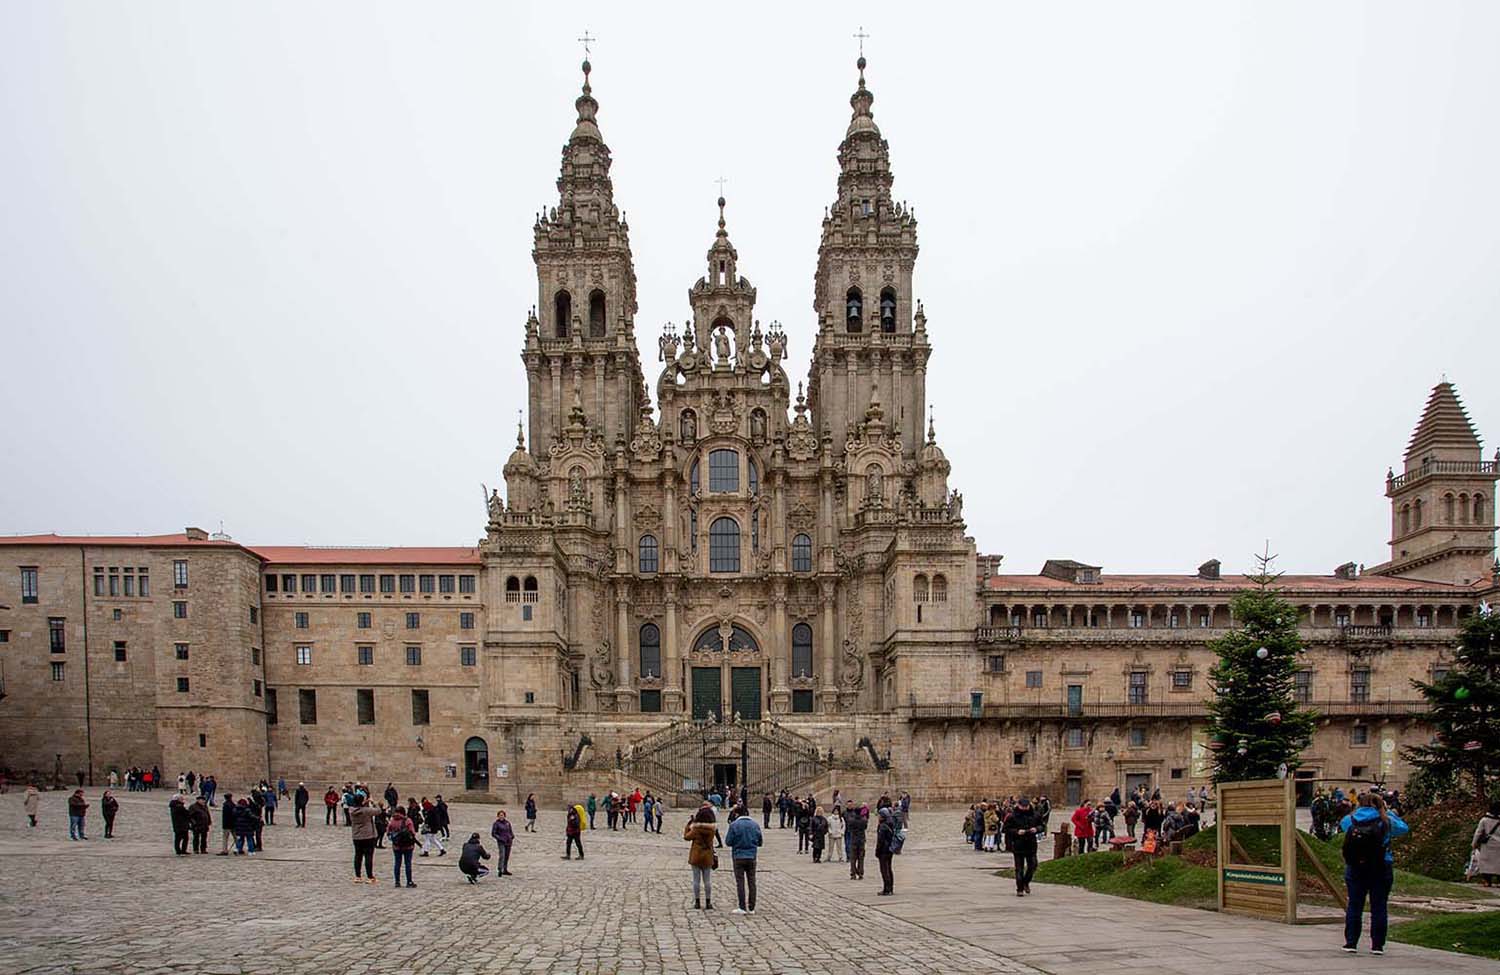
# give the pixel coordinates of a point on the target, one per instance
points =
(887, 309)
(1448, 507)
(854, 310)
(596, 314)
(1479, 515)
(562, 312)
(921, 589)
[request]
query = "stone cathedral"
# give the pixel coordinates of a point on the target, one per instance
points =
(719, 578)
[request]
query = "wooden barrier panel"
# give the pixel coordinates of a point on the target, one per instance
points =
(1256, 889)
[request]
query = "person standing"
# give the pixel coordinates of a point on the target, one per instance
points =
(382, 820)
(1022, 827)
(441, 808)
(765, 810)
(331, 807)
(1132, 814)
(504, 835)
(1487, 846)
(178, 811)
(835, 836)
(1368, 832)
(468, 859)
(246, 824)
(885, 851)
(819, 831)
(269, 805)
(78, 808)
(32, 804)
(744, 839)
(573, 829)
(1083, 826)
(200, 821)
(362, 831)
(531, 812)
(403, 841)
(227, 816)
(210, 786)
(109, 806)
(299, 806)
(856, 823)
(280, 786)
(392, 797)
(701, 833)
(661, 813)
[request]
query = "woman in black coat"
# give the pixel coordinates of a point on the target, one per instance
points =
(885, 834)
(468, 859)
(819, 828)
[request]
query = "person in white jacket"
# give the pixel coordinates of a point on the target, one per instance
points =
(835, 836)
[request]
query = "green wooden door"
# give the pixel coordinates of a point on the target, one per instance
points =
(745, 685)
(708, 688)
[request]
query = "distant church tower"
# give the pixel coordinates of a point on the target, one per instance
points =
(1443, 501)
(871, 336)
(581, 339)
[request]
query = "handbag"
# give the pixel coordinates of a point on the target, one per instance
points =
(715, 863)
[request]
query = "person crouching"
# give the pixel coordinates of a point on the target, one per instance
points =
(469, 857)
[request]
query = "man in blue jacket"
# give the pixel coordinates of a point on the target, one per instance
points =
(743, 839)
(1368, 832)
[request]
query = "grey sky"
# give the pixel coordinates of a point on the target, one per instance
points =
(1190, 269)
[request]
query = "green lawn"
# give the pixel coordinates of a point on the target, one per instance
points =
(1472, 934)
(1168, 880)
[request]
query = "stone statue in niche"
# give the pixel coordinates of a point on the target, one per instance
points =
(575, 483)
(721, 346)
(874, 488)
(757, 425)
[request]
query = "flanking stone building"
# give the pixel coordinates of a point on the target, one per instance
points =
(745, 582)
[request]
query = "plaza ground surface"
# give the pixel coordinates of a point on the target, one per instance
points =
(130, 905)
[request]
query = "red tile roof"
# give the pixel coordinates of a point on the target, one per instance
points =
(143, 541)
(1167, 584)
(335, 555)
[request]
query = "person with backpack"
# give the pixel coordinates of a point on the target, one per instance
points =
(403, 841)
(574, 829)
(1368, 832)
(1486, 859)
(468, 859)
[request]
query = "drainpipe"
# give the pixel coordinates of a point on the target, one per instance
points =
(83, 600)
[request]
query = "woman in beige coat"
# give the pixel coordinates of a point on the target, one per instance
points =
(32, 803)
(1487, 845)
(703, 834)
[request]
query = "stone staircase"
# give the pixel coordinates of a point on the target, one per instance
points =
(680, 758)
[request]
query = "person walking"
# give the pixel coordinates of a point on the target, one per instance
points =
(468, 859)
(32, 804)
(885, 851)
(200, 821)
(1486, 845)
(1132, 814)
(1368, 832)
(403, 842)
(573, 829)
(432, 832)
(1022, 827)
(382, 820)
(444, 822)
(362, 831)
(765, 810)
(504, 835)
(744, 839)
(836, 836)
(702, 834)
(299, 806)
(531, 812)
(78, 808)
(109, 806)
(592, 805)
(178, 811)
(227, 816)
(857, 821)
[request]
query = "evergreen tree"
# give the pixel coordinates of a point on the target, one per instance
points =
(1465, 710)
(1254, 725)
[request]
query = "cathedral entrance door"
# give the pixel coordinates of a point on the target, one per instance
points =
(708, 692)
(744, 685)
(476, 765)
(726, 774)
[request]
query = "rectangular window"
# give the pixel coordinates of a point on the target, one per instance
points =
(364, 704)
(1137, 688)
(1033, 678)
(1075, 738)
(1018, 758)
(57, 634)
(182, 685)
(467, 656)
(180, 651)
(256, 687)
(300, 620)
(307, 706)
(526, 612)
(117, 615)
(1302, 687)
(1359, 735)
(529, 697)
(4, 636)
(346, 582)
(466, 621)
(802, 701)
(1173, 620)
(995, 663)
(1039, 619)
(304, 656)
(288, 583)
(98, 582)
(1340, 619)
(650, 701)
(1359, 685)
(179, 574)
(465, 584)
(1137, 737)
(1182, 680)
(309, 583)
(179, 609)
(114, 582)
(255, 656)
(1202, 621)
(1137, 620)
(1176, 773)
(445, 583)
(120, 655)
(723, 470)
(413, 621)
(408, 583)
(57, 670)
(1439, 672)
(202, 741)
(425, 584)
(413, 656)
(326, 582)
(365, 655)
(29, 585)
(129, 582)
(271, 714)
(1356, 771)
(420, 710)
(363, 620)
(145, 584)
(387, 584)
(1424, 619)
(367, 582)
(270, 582)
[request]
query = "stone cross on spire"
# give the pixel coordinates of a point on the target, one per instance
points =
(586, 40)
(861, 36)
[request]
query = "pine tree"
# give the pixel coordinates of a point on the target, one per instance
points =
(1255, 726)
(1465, 710)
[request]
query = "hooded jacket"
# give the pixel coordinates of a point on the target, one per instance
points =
(473, 852)
(1363, 814)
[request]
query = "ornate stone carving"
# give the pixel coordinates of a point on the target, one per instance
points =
(646, 445)
(647, 517)
(801, 517)
(724, 415)
(601, 667)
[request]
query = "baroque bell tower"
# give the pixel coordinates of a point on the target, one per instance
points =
(580, 338)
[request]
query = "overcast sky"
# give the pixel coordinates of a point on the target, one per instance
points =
(1190, 269)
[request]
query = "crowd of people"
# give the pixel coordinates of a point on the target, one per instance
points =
(1329, 807)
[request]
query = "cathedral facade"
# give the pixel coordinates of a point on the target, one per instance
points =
(718, 577)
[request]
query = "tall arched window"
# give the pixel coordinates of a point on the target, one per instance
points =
(854, 308)
(596, 314)
(802, 639)
(562, 313)
(1447, 509)
(693, 482)
(1463, 508)
(940, 588)
(648, 553)
(755, 531)
(512, 584)
(888, 310)
(724, 545)
(1479, 509)
(919, 588)
(801, 553)
(723, 470)
(650, 651)
(1405, 518)
(1416, 513)
(530, 584)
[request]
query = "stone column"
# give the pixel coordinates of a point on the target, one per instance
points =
(781, 691)
(672, 694)
(624, 690)
(828, 692)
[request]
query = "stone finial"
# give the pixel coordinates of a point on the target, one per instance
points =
(931, 429)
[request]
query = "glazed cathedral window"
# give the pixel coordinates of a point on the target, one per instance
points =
(801, 553)
(648, 553)
(724, 545)
(723, 470)
(650, 651)
(802, 650)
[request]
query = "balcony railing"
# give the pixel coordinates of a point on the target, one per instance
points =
(1116, 710)
(998, 634)
(1366, 631)
(1431, 467)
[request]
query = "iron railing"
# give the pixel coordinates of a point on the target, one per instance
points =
(1097, 710)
